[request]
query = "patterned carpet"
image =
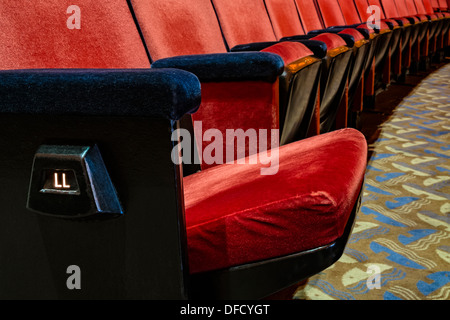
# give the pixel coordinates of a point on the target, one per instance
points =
(403, 228)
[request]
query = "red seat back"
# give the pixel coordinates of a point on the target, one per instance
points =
(310, 15)
(428, 6)
(443, 5)
(52, 34)
(411, 6)
(402, 8)
(420, 7)
(173, 28)
(349, 11)
(244, 21)
(435, 4)
(378, 4)
(284, 17)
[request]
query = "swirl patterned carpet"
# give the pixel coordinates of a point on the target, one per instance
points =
(400, 245)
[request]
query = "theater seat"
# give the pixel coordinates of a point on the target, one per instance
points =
(287, 103)
(399, 36)
(236, 221)
(79, 99)
(287, 25)
(442, 38)
(407, 10)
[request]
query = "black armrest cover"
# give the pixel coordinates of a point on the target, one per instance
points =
(363, 31)
(255, 46)
(165, 93)
(231, 66)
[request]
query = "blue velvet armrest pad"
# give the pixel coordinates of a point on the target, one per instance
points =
(167, 93)
(232, 66)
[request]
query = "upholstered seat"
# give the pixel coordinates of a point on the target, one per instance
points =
(235, 216)
(195, 30)
(286, 24)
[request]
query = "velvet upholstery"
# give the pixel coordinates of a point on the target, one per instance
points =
(232, 211)
(240, 66)
(236, 216)
(113, 43)
(165, 93)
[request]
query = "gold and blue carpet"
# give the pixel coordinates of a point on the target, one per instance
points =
(403, 227)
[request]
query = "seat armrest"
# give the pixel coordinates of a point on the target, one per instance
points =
(232, 66)
(364, 32)
(167, 94)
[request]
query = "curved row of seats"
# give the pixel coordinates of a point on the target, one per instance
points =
(218, 230)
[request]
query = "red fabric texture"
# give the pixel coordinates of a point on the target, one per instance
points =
(402, 8)
(331, 40)
(173, 28)
(235, 216)
(411, 6)
(390, 9)
(236, 105)
(364, 26)
(289, 51)
(284, 17)
(362, 6)
(244, 21)
(309, 15)
(331, 13)
(36, 35)
(349, 11)
(420, 7)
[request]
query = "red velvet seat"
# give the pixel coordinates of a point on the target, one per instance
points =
(142, 254)
(333, 14)
(234, 216)
(287, 108)
(246, 21)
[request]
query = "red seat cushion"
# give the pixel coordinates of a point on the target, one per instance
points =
(289, 51)
(234, 215)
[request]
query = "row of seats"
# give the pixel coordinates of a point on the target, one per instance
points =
(216, 230)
